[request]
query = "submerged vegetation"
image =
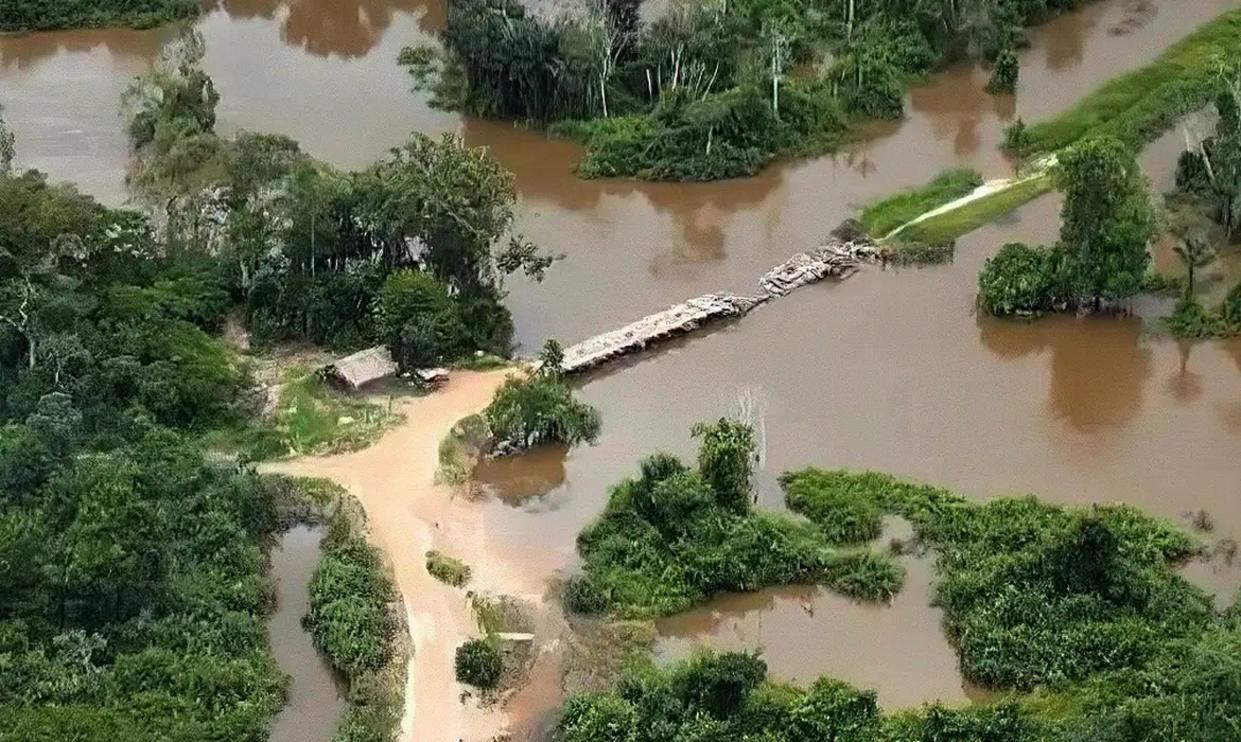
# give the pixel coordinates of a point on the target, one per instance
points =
(1081, 609)
(43, 15)
(446, 569)
(675, 536)
(707, 90)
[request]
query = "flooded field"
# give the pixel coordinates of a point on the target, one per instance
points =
(889, 370)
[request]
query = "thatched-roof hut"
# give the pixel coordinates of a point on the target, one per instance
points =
(361, 368)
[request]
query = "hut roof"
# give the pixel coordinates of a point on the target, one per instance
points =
(361, 368)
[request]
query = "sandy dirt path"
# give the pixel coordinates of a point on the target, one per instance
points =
(409, 513)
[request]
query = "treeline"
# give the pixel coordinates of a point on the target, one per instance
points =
(409, 252)
(710, 90)
(1079, 611)
(43, 15)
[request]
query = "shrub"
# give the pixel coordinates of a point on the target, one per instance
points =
(1192, 321)
(1020, 279)
(418, 320)
(446, 569)
(583, 595)
(478, 663)
(842, 514)
(349, 594)
(540, 409)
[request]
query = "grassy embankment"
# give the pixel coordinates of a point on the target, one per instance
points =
(1136, 107)
(46, 15)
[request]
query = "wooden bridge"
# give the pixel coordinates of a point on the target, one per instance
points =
(836, 259)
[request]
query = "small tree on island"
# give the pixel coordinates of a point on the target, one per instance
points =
(726, 456)
(541, 409)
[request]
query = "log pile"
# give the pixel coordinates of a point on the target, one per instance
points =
(673, 321)
(838, 258)
(835, 259)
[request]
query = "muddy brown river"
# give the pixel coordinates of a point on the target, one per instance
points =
(888, 370)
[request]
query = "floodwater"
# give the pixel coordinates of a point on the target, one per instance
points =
(315, 702)
(888, 370)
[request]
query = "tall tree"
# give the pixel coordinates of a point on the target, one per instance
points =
(1106, 221)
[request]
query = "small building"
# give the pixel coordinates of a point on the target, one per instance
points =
(361, 368)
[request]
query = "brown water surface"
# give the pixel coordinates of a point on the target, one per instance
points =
(888, 370)
(315, 702)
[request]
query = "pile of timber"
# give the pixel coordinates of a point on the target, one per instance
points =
(838, 258)
(673, 321)
(835, 259)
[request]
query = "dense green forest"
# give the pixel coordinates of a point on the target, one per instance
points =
(133, 560)
(1080, 613)
(42, 15)
(710, 90)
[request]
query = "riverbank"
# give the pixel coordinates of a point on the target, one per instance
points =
(21, 16)
(410, 514)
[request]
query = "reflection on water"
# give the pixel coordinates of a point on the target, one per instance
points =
(315, 702)
(520, 479)
(349, 28)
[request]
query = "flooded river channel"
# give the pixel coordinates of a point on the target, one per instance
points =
(888, 370)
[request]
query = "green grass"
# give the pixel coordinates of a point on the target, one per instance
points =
(1140, 105)
(447, 569)
(946, 227)
(460, 450)
(881, 217)
(310, 417)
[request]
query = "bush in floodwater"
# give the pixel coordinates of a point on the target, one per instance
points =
(1020, 279)
(1004, 73)
(540, 409)
(446, 569)
(583, 595)
(478, 663)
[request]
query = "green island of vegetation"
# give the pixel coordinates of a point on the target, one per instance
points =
(709, 90)
(44, 15)
(675, 536)
(1079, 613)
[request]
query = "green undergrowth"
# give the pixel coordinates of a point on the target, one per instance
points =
(1190, 320)
(948, 226)
(310, 418)
(1140, 105)
(1079, 612)
(901, 252)
(882, 216)
(460, 450)
(45, 15)
(1032, 593)
(674, 536)
(354, 618)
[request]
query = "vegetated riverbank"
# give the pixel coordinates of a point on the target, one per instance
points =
(1082, 606)
(410, 514)
(44, 15)
(659, 101)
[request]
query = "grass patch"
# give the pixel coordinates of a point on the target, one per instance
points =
(310, 418)
(948, 226)
(881, 217)
(447, 569)
(1140, 105)
(902, 252)
(461, 448)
